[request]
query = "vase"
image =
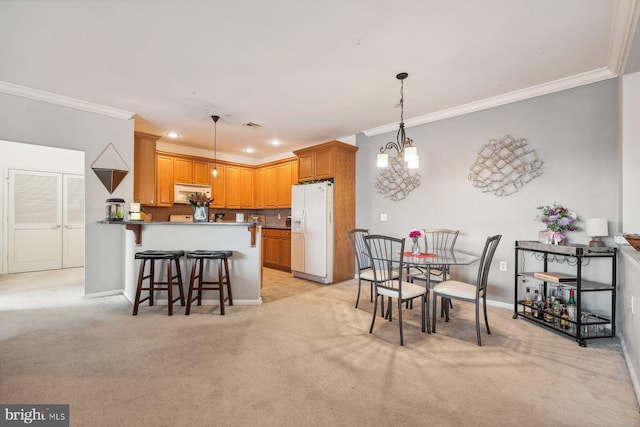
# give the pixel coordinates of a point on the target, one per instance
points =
(415, 248)
(200, 213)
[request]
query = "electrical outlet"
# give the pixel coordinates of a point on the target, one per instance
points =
(383, 217)
(503, 265)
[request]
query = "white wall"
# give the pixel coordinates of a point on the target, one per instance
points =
(575, 133)
(629, 263)
(35, 122)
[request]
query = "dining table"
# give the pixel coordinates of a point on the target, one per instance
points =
(438, 258)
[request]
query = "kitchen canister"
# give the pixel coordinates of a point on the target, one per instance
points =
(239, 217)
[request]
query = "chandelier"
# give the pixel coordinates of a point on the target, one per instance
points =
(403, 145)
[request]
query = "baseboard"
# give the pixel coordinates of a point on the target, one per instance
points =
(104, 294)
(632, 373)
(159, 301)
(500, 304)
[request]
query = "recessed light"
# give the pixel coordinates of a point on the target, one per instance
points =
(173, 134)
(249, 150)
(275, 142)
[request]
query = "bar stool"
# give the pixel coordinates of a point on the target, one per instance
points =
(172, 279)
(197, 269)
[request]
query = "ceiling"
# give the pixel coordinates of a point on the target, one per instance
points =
(306, 72)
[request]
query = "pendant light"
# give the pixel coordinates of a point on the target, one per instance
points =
(215, 145)
(403, 145)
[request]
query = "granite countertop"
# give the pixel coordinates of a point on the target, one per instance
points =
(105, 221)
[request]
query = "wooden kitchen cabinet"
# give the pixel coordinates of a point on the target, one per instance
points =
(232, 187)
(316, 163)
(259, 188)
(276, 249)
(238, 187)
(201, 172)
(189, 171)
(164, 181)
(144, 168)
(246, 187)
(284, 177)
(218, 187)
(271, 187)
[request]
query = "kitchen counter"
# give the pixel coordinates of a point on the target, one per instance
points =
(243, 238)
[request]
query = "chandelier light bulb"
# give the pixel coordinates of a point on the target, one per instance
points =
(382, 160)
(414, 162)
(410, 153)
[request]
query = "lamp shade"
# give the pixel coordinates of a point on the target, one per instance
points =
(382, 161)
(410, 153)
(596, 227)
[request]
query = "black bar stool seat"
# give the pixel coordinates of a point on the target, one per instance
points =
(198, 283)
(172, 258)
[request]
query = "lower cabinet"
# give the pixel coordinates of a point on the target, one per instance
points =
(276, 249)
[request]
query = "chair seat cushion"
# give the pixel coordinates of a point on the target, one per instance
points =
(455, 289)
(368, 275)
(409, 290)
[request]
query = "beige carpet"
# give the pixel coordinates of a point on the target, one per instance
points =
(303, 360)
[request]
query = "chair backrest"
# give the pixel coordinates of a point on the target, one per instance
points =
(485, 263)
(356, 237)
(387, 256)
(440, 238)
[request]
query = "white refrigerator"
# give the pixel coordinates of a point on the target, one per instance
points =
(312, 231)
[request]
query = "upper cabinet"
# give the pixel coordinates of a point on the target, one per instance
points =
(316, 162)
(189, 171)
(238, 187)
(144, 168)
(272, 184)
(165, 180)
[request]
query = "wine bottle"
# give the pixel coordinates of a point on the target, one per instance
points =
(572, 309)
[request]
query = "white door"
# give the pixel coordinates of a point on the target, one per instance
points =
(35, 221)
(73, 221)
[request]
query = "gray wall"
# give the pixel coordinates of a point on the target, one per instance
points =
(575, 133)
(35, 122)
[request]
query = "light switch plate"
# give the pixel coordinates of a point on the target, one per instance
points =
(383, 217)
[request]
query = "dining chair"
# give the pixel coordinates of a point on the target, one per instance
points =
(437, 239)
(386, 254)
(470, 292)
(363, 262)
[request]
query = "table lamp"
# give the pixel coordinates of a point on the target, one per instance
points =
(596, 228)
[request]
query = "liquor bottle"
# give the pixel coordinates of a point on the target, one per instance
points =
(528, 302)
(572, 309)
(564, 317)
(536, 302)
(557, 311)
(548, 311)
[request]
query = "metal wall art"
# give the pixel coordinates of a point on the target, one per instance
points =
(110, 168)
(395, 181)
(505, 166)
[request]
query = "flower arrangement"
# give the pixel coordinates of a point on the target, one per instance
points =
(415, 234)
(557, 219)
(199, 199)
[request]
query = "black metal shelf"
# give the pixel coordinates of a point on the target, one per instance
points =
(595, 325)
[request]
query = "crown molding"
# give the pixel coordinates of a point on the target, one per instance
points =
(65, 101)
(625, 20)
(507, 98)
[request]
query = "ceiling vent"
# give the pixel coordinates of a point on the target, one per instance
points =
(251, 125)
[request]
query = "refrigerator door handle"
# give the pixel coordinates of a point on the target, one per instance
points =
(303, 222)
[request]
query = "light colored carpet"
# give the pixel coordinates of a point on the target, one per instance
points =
(303, 360)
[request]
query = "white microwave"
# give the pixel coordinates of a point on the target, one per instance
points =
(182, 192)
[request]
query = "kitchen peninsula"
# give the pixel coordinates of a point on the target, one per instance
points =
(243, 238)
